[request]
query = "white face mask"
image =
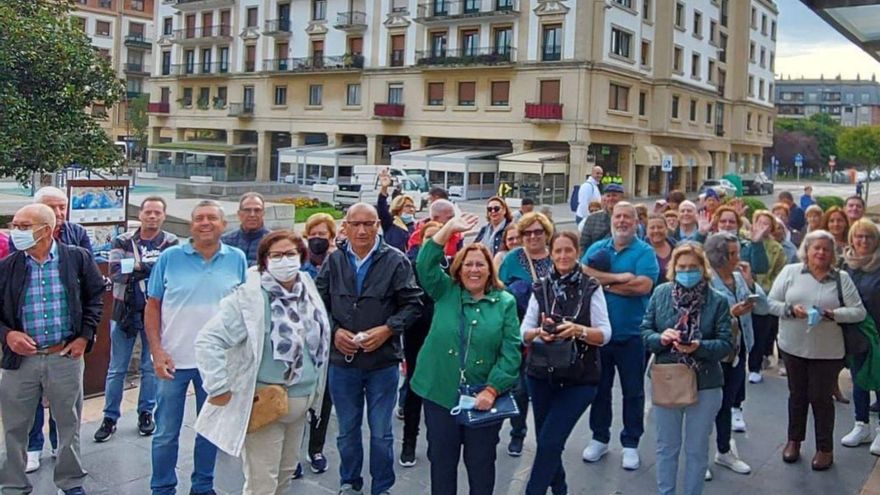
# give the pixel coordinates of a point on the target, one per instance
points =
(24, 239)
(285, 269)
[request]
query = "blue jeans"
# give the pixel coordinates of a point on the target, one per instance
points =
(627, 356)
(698, 420)
(350, 388)
(36, 440)
(121, 348)
(557, 410)
(170, 402)
(861, 397)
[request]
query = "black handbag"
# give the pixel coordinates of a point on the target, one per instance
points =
(854, 342)
(557, 355)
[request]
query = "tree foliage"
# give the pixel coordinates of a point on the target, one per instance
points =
(49, 75)
(861, 146)
(821, 128)
(139, 119)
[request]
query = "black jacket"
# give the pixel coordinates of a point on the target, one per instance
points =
(85, 287)
(389, 296)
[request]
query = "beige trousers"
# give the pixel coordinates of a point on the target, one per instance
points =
(270, 454)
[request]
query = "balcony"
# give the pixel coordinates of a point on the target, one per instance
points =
(439, 11)
(161, 108)
(241, 110)
(138, 40)
(193, 5)
(202, 34)
(136, 68)
(277, 27)
(719, 130)
(468, 56)
(353, 22)
(388, 111)
(345, 62)
(202, 69)
(548, 112)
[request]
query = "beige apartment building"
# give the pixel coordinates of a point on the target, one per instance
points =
(250, 89)
(122, 31)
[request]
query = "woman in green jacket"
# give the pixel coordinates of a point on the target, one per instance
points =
(470, 299)
(688, 322)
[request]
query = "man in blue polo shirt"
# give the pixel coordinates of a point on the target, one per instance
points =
(186, 286)
(628, 275)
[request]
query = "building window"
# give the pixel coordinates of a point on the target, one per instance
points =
(693, 110)
(752, 52)
(204, 98)
(165, 95)
(319, 10)
(248, 97)
(751, 85)
(395, 94)
(353, 95)
(645, 55)
(168, 26)
(709, 112)
(224, 59)
(698, 24)
(250, 58)
(646, 10)
(79, 23)
(760, 123)
(711, 76)
(189, 57)
(773, 31)
(675, 100)
(763, 57)
(221, 98)
(398, 44)
(550, 91)
(761, 89)
(643, 103)
(618, 97)
(252, 17)
(166, 63)
(754, 18)
(695, 66)
(551, 43)
(625, 3)
(280, 95)
(438, 44)
(772, 62)
(435, 94)
(187, 99)
(467, 93)
(679, 15)
(764, 24)
(676, 59)
(102, 28)
(500, 93)
(105, 4)
(621, 43)
(137, 5)
(316, 94)
(713, 28)
(749, 121)
(470, 42)
(503, 40)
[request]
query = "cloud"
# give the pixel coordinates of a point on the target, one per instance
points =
(814, 59)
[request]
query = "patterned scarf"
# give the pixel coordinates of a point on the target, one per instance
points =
(297, 326)
(688, 304)
(543, 266)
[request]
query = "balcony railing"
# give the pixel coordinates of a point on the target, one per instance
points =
(191, 5)
(467, 56)
(158, 107)
(397, 58)
(351, 21)
(544, 111)
(241, 110)
(441, 10)
(226, 171)
(132, 95)
(277, 27)
(388, 110)
(219, 31)
(310, 64)
(138, 40)
(136, 68)
(200, 69)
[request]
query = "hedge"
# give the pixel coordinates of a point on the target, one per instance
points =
(826, 202)
(753, 204)
(303, 214)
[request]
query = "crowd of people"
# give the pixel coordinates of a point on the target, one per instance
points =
(274, 328)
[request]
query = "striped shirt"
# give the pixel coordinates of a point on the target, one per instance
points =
(44, 314)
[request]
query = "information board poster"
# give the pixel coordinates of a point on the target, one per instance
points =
(100, 207)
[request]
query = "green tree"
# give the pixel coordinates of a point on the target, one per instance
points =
(861, 145)
(819, 126)
(139, 119)
(49, 75)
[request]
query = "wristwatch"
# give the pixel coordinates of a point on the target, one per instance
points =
(584, 333)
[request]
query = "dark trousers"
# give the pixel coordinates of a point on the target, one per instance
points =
(557, 410)
(35, 436)
(318, 433)
(734, 382)
(766, 327)
(412, 403)
(861, 397)
(627, 357)
(445, 441)
(810, 385)
(518, 427)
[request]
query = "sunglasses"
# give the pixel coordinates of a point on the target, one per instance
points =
(494, 209)
(533, 233)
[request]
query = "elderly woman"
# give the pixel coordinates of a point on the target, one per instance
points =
(813, 214)
(658, 238)
(688, 322)
(732, 278)
(397, 221)
(766, 326)
(509, 241)
(806, 298)
(836, 222)
(469, 301)
(569, 310)
(271, 333)
(498, 217)
(320, 234)
(862, 262)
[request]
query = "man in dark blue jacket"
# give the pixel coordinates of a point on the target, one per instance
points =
(251, 214)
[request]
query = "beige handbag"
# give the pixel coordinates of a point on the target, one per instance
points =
(270, 404)
(673, 385)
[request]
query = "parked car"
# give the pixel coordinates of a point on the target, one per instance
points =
(757, 184)
(722, 186)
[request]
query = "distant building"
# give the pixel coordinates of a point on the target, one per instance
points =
(851, 102)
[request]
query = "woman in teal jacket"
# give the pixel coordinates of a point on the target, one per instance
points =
(470, 298)
(688, 322)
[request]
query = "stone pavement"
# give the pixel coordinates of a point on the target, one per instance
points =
(122, 465)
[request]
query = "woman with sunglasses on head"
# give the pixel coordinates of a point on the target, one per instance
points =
(509, 241)
(398, 220)
(498, 217)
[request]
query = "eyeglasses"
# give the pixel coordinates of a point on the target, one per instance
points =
(494, 209)
(276, 256)
(533, 233)
(358, 225)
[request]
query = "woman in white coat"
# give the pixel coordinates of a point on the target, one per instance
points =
(272, 331)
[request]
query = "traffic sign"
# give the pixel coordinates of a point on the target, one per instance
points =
(832, 161)
(799, 160)
(666, 164)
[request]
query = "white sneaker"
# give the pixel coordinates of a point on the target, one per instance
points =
(595, 450)
(731, 461)
(708, 476)
(630, 459)
(755, 377)
(875, 445)
(861, 433)
(737, 422)
(783, 371)
(53, 452)
(33, 462)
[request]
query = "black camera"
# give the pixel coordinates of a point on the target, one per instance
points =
(552, 328)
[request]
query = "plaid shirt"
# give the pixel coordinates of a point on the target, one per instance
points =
(44, 314)
(596, 228)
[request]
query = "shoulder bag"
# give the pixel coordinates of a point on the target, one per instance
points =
(854, 342)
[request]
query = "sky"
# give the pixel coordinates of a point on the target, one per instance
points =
(808, 47)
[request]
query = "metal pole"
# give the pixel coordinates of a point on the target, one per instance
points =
(798, 174)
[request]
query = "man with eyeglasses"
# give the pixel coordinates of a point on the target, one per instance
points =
(371, 294)
(251, 214)
(597, 226)
(184, 292)
(50, 307)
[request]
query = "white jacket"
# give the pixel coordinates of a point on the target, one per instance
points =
(228, 352)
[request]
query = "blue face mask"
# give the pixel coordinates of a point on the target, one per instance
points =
(406, 217)
(465, 403)
(688, 279)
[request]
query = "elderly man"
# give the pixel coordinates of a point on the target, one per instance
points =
(251, 214)
(692, 225)
(627, 287)
(589, 191)
(598, 225)
(132, 258)
(49, 313)
(186, 286)
(440, 210)
(371, 294)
